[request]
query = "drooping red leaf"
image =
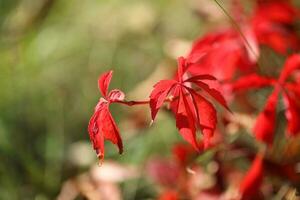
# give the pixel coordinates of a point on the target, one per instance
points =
(252, 81)
(265, 123)
(102, 125)
(253, 179)
(93, 129)
(109, 128)
(104, 81)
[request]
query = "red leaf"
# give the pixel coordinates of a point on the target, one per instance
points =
(291, 64)
(185, 121)
(109, 128)
(200, 77)
(212, 92)
(293, 88)
(159, 94)
(281, 12)
(292, 114)
(96, 138)
(251, 81)
(102, 126)
(207, 117)
(253, 179)
(265, 123)
(103, 82)
(220, 54)
(186, 107)
(169, 195)
(183, 152)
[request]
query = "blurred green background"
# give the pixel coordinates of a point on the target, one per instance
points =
(51, 54)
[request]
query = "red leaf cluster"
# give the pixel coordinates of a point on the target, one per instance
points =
(265, 124)
(272, 23)
(225, 55)
(190, 108)
(228, 52)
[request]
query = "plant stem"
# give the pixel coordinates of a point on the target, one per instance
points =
(236, 25)
(133, 103)
(143, 102)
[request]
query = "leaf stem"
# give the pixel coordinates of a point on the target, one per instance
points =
(136, 103)
(133, 103)
(144, 102)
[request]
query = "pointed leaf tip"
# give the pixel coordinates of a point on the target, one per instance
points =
(104, 81)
